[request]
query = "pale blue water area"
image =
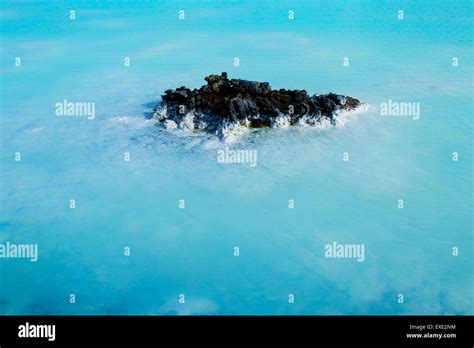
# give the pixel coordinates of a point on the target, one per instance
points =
(189, 251)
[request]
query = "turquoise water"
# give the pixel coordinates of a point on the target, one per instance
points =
(190, 251)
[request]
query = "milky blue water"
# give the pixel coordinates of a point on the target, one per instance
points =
(190, 251)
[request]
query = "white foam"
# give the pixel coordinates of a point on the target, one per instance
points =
(188, 121)
(303, 121)
(343, 117)
(170, 124)
(161, 114)
(281, 121)
(232, 132)
(323, 123)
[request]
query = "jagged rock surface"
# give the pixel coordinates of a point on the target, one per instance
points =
(223, 106)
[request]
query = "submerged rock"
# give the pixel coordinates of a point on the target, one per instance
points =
(224, 106)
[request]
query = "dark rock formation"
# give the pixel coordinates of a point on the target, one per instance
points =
(223, 106)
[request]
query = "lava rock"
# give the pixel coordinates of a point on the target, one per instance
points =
(224, 105)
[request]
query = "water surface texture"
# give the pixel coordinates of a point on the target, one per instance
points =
(423, 251)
